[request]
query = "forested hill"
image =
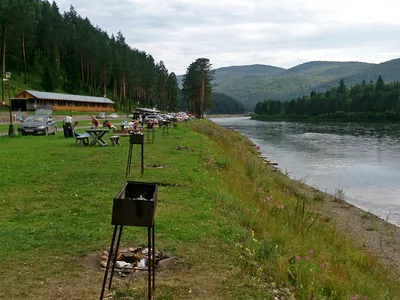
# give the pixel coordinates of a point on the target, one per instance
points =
(224, 104)
(63, 52)
(250, 85)
(389, 70)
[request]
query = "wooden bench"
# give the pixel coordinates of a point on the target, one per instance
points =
(115, 140)
(82, 140)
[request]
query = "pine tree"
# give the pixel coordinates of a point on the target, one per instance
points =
(197, 85)
(173, 92)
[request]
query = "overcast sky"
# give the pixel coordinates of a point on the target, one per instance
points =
(282, 33)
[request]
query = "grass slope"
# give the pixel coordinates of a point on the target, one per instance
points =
(237, 229)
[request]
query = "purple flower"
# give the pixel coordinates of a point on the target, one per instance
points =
(322, 266)
(298, 258)
(310, 252)
(308, 258)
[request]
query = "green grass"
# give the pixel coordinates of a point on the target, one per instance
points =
(234, 226)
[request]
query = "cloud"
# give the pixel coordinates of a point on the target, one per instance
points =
(237, 32)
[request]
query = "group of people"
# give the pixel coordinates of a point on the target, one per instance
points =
(69, 121)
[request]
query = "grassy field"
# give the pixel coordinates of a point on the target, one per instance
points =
(238, 229)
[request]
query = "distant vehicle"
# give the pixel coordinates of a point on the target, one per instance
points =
(151, 118)
(40, 123)
(182, 115)
(113, 116)
(101, 115)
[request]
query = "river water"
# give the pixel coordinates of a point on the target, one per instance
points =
(362, 160)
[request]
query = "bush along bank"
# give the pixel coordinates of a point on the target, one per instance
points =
(288, 245)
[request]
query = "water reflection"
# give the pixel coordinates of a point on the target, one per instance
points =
(363, 160)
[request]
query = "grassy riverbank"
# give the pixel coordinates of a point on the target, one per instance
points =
(238, 229)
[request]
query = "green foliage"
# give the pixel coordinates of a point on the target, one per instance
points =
(66, 53)
(197, 86)
(378, 102)
(224, 104)
(47, 80)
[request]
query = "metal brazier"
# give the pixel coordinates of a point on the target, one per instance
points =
(135, 204)
(136, 138)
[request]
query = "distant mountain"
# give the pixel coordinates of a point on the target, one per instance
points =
(251, 70)
(325, 68)
(254, 83)
(229, 73)
(389, 70)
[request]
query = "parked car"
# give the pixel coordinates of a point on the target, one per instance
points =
(151, 118)
(101, 115)
(40, 123)
(113, 116)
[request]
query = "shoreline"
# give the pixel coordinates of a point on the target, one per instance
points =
(319, 120)
(395, 222)
(364, 230)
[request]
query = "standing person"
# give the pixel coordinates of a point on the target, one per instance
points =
(140, 120)
(68, 130)
(95, 123)
(68, 120)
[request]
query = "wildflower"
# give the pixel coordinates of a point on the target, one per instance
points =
(355, 297)
(322, 266)
(298, 257)
(310, 252)
(308, 258)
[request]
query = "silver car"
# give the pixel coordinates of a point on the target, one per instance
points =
(40, 123)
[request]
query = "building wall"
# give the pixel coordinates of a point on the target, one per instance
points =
(65, 105)
(82, 108)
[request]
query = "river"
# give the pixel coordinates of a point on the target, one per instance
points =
(362, 160)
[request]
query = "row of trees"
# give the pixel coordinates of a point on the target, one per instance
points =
(224, 104)
(64, 52)
(378, 100)
(53, 51)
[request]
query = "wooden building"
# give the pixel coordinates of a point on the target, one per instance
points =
(28, 100)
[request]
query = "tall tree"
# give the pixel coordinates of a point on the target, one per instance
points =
(197, 85)
(162, 75)
(173, 92)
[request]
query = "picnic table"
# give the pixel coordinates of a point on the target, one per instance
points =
(97, 136)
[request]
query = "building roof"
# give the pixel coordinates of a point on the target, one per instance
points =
(68, 97)
(149, 110)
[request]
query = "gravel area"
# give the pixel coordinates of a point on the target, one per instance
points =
(365, 231)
